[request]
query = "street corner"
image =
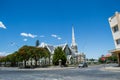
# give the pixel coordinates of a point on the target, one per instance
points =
(111, 68)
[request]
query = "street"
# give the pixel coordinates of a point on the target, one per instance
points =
(90, 73)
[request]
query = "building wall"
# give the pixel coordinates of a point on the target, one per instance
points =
(115, 21)
(67, 50)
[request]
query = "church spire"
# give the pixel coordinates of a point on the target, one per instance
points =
(73, 37)
(73, 45)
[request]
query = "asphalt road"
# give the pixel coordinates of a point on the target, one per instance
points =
(90, 73)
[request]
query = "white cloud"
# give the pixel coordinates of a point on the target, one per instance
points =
(32, 36)
(28, 35)
(2, 25)
(25, 39)
(56, 36)
(53, 35)
(59, 38)
(24, 34)
(4, 53)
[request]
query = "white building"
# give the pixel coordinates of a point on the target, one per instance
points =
(74, 47)
(72, 54)
(64, 47)
(80, 57)
(114, 22)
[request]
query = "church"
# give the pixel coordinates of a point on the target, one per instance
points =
(72, 54)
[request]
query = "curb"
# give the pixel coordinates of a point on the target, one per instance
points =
(113, 69)
(54, 68)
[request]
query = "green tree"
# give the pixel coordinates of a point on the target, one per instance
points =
(37, 53)
(3, 59)
(24, 54)
(47, 54)
(92, 60)
(13, 58)
(59, 55)
(112, 58)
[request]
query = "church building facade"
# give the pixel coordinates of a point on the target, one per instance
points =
(72, 54)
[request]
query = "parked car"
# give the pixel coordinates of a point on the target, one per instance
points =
(82, 65)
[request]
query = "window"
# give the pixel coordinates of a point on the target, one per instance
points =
(118, 41)
(115, 28)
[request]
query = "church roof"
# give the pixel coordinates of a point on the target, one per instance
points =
(51, 48)
(69, 57)
(62, 46)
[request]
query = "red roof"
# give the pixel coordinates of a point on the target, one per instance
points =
(108, 55)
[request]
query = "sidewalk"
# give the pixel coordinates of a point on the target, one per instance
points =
(46, 68)
(54, 68)
(111, 68)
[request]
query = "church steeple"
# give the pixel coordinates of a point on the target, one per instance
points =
(73, 45)
(73, 37)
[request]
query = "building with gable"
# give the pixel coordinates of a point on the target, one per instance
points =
(72, 54)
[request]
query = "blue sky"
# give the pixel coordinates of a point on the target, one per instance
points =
(24, 21)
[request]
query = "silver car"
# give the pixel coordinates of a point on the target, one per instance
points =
(82, 65)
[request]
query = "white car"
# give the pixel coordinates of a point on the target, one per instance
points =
(81, 65)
